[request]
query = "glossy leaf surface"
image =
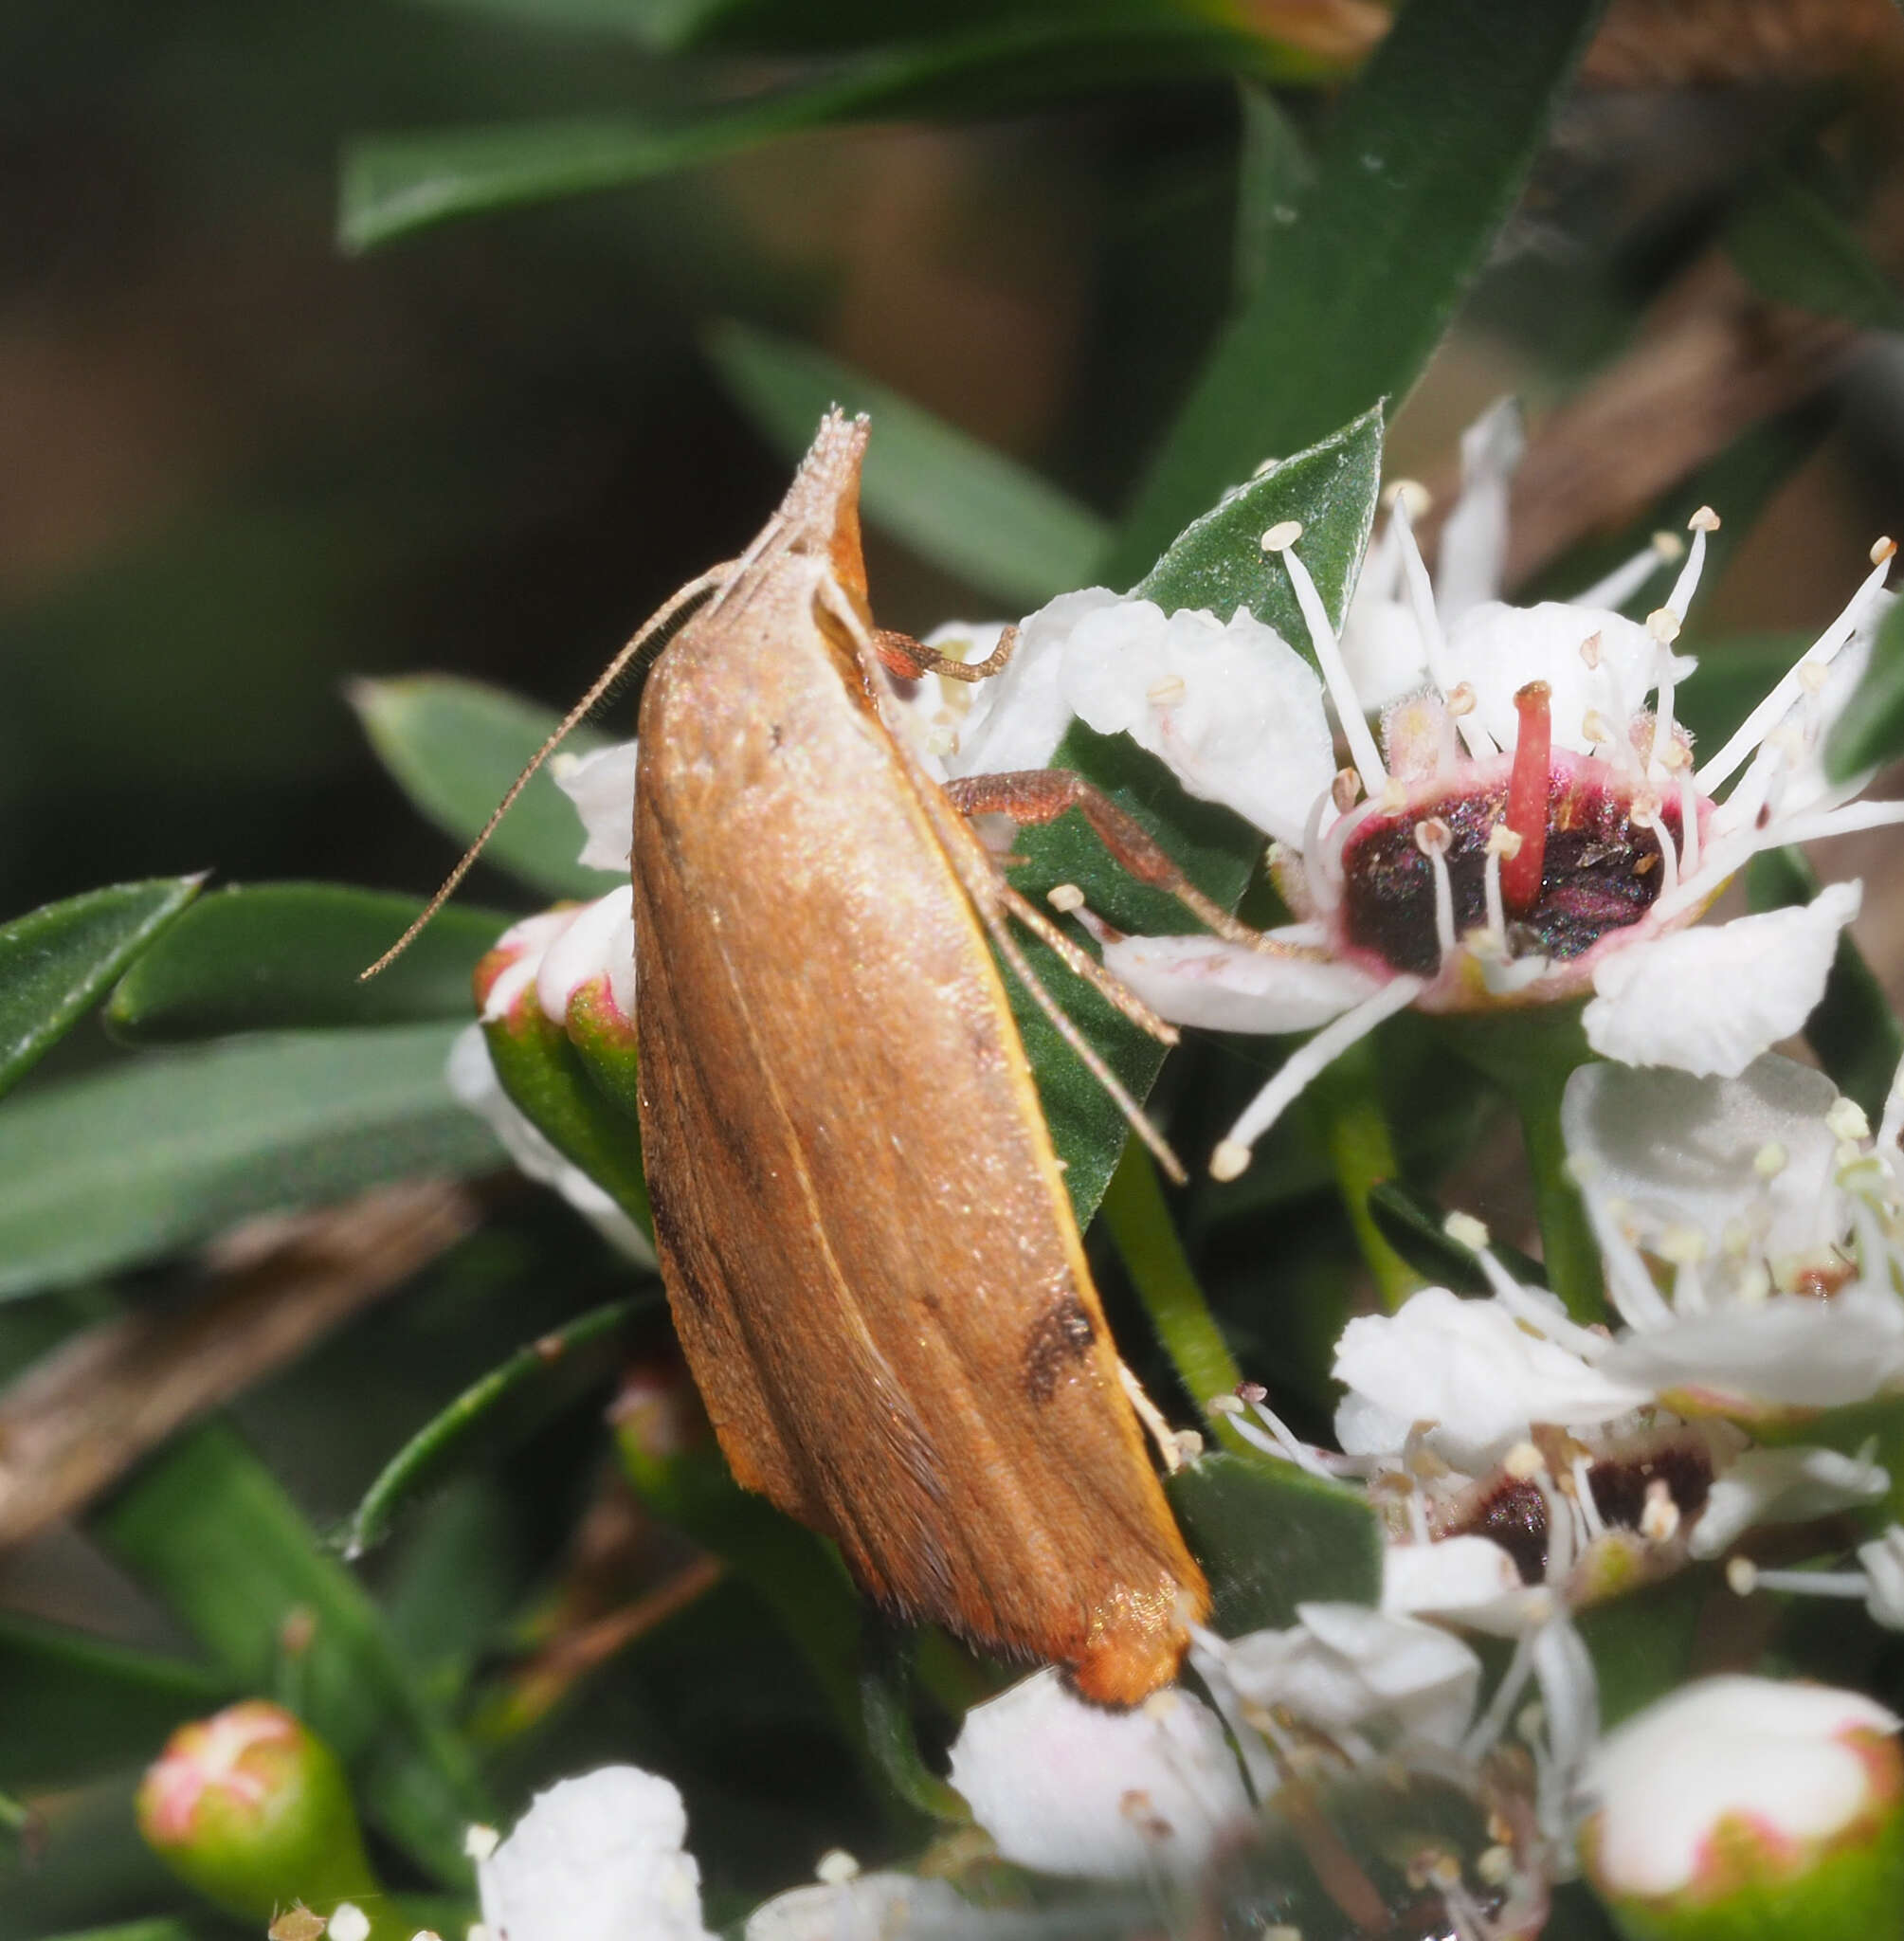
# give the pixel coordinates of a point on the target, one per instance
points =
(161, 1153)
(286, 956)
(57, 961)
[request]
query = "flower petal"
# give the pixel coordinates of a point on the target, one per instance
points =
(1791, 1485)
(601, 786)
(1791, 1350)
(1498, 649)
(600, 942)
(871, 1907)
(1712, 1000)
(1225, 986)
(1018, 718)
(1346, 1667)
(1750, 1155)
(1070, 1789)
(1474, 536)
(596, 1859)
(1473, 1368)
(1235, 710)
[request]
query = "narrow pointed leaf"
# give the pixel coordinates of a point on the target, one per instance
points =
(1414, 1224)
(76, 1706)
(56, 962)
(1217, 563)
(1794, 247)
(287, 957)
(163, 1151)
(455, 746)
(524, 1387)
(953, 500)
(1420, 168)
(210, 1533)
(1270, 1538)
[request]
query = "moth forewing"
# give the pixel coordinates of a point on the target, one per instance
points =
(862, 1222)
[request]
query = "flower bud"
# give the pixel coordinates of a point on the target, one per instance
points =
(1742, 1806)
(253, 1811)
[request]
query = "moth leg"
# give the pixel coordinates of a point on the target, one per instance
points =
(1168, 1447)
(900, 654)
(1041, 795)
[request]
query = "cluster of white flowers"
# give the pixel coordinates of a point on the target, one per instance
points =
(1530, 826)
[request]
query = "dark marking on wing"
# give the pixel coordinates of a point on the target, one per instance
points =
(1059, 1339)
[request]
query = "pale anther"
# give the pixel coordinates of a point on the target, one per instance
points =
(1846, 1120)
(836, 1867)
(1882, 550)
(1462, 700)
(1065, 897)
(1394, 797)
(1230, 1160)
(1664, 625)
(1504, 841)
(1660, 1519)
(479, 1841)
(1413, 496)
(1589, 650)
(1704, 521)
(1168, 691)
(1222, 1405)
(1593, 725)
(1682, 1246)
(1742, 1576)
(1669, 546)
(1344, 790)
(1465, 1232)
(1524, 1462)
(1282, 535)
(1769, 1160)
(1433, 836)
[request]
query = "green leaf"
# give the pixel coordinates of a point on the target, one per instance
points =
(160, 1927)
(161, 1153)
(393, 184)
(455, 746)
(1643, 1643)
(1415, 1226)
(1420, 169)
(78, 1706)
(955, 501)
(1218, 563)
(521, 1389)
(1854, 1031)
(56, 962)
(1794, 247)
(286, 956)
(1270, 1536)
(1274, 173)
(1870, 729)
(210, 1533)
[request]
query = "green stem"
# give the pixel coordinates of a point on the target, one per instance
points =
(1345, 1105)
(1145, 1239)
(1567, 1243)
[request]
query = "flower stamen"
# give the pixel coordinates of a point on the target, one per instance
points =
(1429, 622)
(1282, 539)
(1433, 838)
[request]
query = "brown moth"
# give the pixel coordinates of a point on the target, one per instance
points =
(862, 1223)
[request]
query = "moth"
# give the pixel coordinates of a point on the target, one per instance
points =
(862, 1223)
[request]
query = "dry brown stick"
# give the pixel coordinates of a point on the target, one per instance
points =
(83, 1415)
(1714, 358)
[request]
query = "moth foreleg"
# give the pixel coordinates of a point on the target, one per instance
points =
(1041, 795)
(900, 654)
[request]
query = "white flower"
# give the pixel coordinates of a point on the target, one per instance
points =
(1474, 1369)
(1749, 1193)
(1789, 1763)
(1528, 830)
(471, 1078)
(596, 1859)
(1793, 1485)
(871, 1907)
(1348, 1670)
(601, 786)
(1068, 1787)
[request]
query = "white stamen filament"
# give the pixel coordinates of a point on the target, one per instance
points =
(1516, 1299)
(1689, 824)
(1669, 856)
(1771, 710)
(1892, 1126)
(1434, 643)
(1325, 887)
(1362, 747)
(1432, 839)
(1581, 1470)
(1305, 1063)
(1663, 714)
(1491, 889)
(1812, 1582)
(1624, 581)
(1679, 600)
(1739, 849)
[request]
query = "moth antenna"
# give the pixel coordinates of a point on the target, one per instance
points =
(715, 577)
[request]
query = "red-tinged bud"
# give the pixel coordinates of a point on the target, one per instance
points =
(252, 1809)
